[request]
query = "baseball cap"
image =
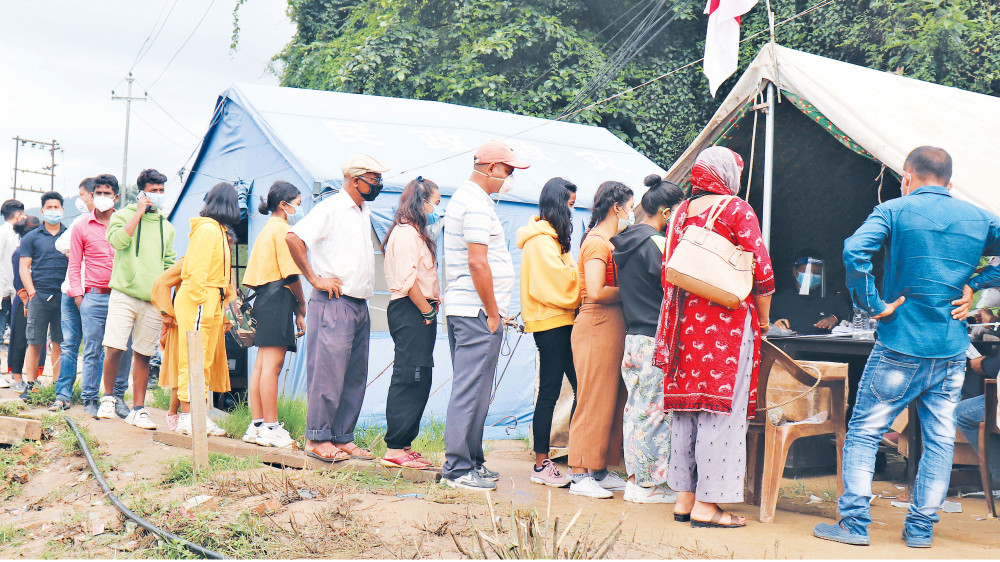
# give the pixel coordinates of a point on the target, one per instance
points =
(498, 152)
(362, 163)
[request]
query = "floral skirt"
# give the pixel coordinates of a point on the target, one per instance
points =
(646, 424)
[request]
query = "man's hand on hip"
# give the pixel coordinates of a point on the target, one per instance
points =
(963, 304)
(890, 307)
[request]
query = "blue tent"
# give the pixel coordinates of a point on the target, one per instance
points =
(261, 134)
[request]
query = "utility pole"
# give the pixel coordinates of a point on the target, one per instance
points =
(128, 113)
(50, 169)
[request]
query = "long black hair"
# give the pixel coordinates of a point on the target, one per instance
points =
(553, 206)
(221, 205)
(26, 225)
(280, 192)
(608, 194)
(411, 211)
(661, 194)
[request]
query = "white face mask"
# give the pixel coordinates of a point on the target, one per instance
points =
(81, 205)
(156, 199)
(103, 203)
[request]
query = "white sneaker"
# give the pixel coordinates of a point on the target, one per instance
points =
(107, 409)
(277, 437)
(184, 424)
(629, 490)
(653, 494)
(212, 429)
(250, 436)
(4, 383)
(612, 482)
(139, 418)
(590, 488)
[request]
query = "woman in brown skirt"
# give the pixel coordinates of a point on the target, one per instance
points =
(595, 433)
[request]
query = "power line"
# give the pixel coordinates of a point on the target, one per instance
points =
(172, 118)
(181, 48)
(142, 54)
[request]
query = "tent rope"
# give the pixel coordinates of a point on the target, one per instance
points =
(753, 143)
(879, 177)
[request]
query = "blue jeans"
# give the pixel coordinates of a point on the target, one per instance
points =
(890, 382)
(969, 414)
(90, 321)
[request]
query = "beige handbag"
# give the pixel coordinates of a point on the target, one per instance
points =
(707, 264)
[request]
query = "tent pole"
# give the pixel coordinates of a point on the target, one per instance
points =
(768, 166)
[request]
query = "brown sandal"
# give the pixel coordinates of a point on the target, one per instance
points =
(714, 523)
(356, 452)
(337, 457)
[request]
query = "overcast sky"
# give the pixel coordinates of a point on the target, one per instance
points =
(60, 60)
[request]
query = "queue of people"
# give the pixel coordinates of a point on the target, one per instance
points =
(664, 379)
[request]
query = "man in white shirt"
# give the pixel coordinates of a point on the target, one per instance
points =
(479, 275)
(342, 273)
(12, 211)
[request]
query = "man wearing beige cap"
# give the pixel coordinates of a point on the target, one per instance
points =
(479, 277)
(342, 273)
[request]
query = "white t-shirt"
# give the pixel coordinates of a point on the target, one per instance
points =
(471, 218)
(8, 243)
(338, 235)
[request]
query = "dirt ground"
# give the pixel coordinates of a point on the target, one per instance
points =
(266, 512)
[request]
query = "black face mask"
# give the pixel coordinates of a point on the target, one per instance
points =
(373, 189)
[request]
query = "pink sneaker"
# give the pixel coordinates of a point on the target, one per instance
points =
(172, 421)
(550, 475)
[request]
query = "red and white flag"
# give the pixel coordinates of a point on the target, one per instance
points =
(722, 44)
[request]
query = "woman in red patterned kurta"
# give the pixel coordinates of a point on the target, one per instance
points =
(710, 355)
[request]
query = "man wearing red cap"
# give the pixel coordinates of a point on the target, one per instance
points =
(479, 275)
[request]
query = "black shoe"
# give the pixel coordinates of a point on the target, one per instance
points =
(90, 407)
(121, 408)
(29, 387)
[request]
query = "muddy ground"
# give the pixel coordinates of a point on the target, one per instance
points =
(356, 511)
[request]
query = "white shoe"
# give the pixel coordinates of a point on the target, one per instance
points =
(277, 437)
(212, 429)
(4, 383)
(107, 409)
(590, 488)
(629, 491)
(251, 433)
(184, 424)
(612, 482)
(140, 419)
(653, 494)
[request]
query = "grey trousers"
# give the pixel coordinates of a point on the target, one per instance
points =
(474, 355)
(337, 332)
(708, 450)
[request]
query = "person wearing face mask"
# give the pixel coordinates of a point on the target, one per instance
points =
(279, 308)
(807, 305)
(143, 240)
(479, 282)
(43, 269)
(12, 211)
(337, 235)
(638, 256)
(85, 303)
(411, 274)
(598, 342)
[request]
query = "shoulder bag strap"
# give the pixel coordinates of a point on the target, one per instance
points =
(670, 233)
(717, 211)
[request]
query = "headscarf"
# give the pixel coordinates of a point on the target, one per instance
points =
(717, 170)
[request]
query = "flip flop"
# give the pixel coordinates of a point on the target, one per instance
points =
(58, 406)
(405, 461)
(682, 517)
(365, 456)
(714, 523)
(421, 459)
(339, 456)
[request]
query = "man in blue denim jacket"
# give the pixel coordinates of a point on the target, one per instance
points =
(933, 244)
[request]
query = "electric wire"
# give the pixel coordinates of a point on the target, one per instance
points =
(142, 53)
(184, 44)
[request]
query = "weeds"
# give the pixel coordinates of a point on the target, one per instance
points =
(9, 533)
(180, 469)
(159, 398)
(291, 412)
(429, 442)
(45, 395)
(11, 408)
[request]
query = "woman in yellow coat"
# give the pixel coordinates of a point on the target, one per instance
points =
(205, 275)
(217, 379)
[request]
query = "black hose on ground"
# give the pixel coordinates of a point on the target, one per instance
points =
(199, 550)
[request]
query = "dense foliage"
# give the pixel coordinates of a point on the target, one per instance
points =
(535, 56)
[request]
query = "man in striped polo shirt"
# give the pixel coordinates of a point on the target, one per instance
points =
(479, 281)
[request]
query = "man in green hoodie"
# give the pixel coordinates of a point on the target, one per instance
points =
(143, 240)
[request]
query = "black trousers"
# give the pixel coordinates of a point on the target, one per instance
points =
(18, 338)
(411, 372)
(555, 359)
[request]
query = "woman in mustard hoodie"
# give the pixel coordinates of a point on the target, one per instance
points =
(205, 276)
(550, 294)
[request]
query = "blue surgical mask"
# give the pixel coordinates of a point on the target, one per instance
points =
(814, 282)
(52, 216)
(296, 216)
(434, 215)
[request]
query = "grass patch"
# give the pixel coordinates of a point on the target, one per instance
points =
(11, 408)
(429, 442)
(180, 469)
(45, 395)
(291, 412)
(9, 533)
(158, 398)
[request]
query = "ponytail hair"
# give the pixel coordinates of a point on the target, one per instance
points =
(608, 194)
(280, 192)
(661, 194)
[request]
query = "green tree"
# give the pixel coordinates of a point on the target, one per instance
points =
(542, 57)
